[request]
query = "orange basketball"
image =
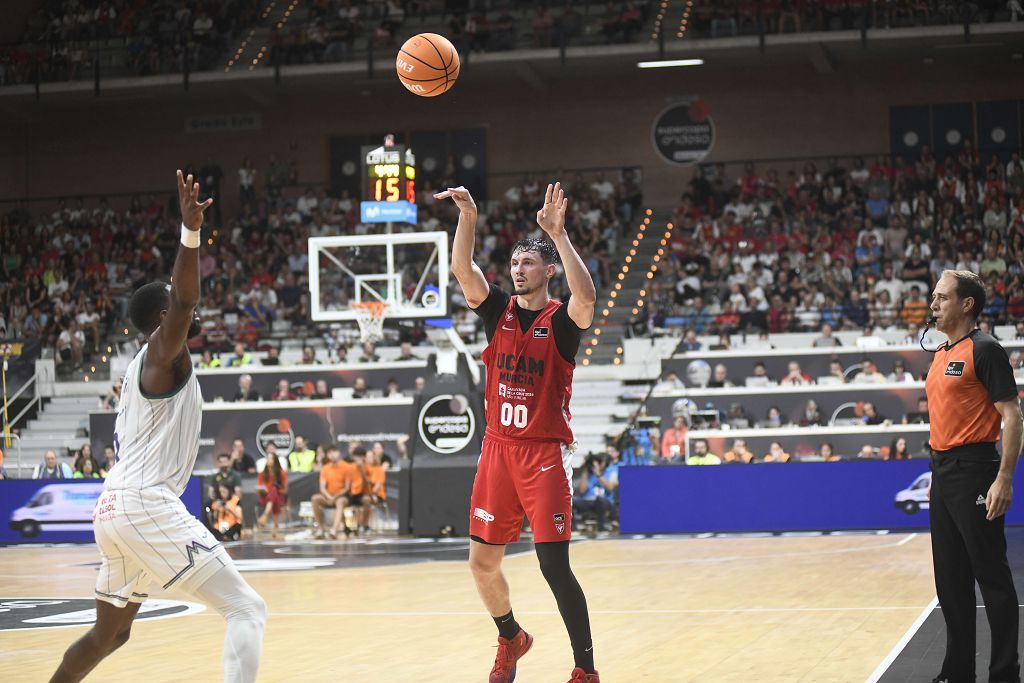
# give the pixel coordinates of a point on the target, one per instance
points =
(427, 65)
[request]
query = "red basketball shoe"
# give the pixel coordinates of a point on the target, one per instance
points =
(509, 652)
(581, 676)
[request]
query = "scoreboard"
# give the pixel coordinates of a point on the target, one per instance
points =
(389, 194)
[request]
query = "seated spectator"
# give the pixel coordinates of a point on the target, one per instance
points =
(761, 373)
(241, 461)
(376, 476)
(590, 493)
(309, 356)
(86, 468)
(827, 453)
(673, 441)
(227, 513)
(272, 488)
(720, 378)
(224, 475)
(405, 352)
(826, 339)
(240, 358)
(113, 398)
(796, 376)
(669, 383)
(321, 391)
(283, 393)
(869, 340)
(245, 391)
(689, 342)
(835, 371)
(868, 374)
(70, 344)
(739, 453)
(206, 360)
(898, 450)
(51, 469)
(776, 453)
(369, 353)
(871, 416)
(772, 419)
(109, 458)
(899, 372)
(301, 459)
(919, 416)
(915, 309)
(359, 388)
(867, 452)
(359, 489)
(273, 356)
(809, 416)
(701, 455)
(334, 482)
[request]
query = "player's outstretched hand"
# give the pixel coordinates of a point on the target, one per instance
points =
(460, 196)
(188, 199)
(551, 217)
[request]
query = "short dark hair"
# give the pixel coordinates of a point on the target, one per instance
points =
(223, 455)
(146, 304)
(547, 251)
(358, 452)
(969, 284)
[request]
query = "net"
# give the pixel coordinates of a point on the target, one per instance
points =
(370, 316)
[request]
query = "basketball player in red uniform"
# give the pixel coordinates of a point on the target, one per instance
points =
(525, 466)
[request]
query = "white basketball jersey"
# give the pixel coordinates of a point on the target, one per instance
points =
(156, 438)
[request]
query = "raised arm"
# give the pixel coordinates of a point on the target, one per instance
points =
(551, 219)
(470, 277)
(167, 343)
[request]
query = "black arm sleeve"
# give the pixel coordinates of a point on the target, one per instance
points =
(567, 335)
(491, 308)
(993, 369)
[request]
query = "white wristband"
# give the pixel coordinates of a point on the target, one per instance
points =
(189, 238)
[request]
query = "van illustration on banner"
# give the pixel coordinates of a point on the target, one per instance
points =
(63, 507)
(915, 497)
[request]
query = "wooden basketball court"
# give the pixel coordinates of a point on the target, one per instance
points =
(796, 608)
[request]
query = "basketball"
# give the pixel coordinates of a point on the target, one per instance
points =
(427, 65)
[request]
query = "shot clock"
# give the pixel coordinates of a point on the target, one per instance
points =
(390, 191)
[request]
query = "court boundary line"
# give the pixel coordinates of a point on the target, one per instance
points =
(903, 642)
(651, 612)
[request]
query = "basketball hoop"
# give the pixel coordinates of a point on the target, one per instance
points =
(370, 316)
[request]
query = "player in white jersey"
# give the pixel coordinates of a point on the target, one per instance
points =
(144, 532)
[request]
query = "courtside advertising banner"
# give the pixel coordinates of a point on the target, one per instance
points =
(780, 497)
(60, 510)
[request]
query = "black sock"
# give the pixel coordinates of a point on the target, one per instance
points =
(508, 628)
(584, 659)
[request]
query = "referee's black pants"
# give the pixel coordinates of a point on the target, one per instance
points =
(966, 548)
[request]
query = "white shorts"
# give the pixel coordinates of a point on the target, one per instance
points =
(148, 536)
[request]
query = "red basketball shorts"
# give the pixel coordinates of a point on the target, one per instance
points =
(516, 477)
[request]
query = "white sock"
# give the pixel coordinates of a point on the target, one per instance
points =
(246, 613)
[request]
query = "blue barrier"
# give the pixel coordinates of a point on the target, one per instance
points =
(779, 497)
(60, 510)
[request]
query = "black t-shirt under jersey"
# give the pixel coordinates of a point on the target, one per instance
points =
(567, 334)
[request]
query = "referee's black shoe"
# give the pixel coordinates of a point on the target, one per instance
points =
(940, 679)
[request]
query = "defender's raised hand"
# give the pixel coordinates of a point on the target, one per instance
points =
(460, 196)
(188, 199)
(551, 217)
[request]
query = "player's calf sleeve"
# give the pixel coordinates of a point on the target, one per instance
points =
(572, 604)
(246, 614)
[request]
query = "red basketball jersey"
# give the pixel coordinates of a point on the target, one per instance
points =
(529, 384)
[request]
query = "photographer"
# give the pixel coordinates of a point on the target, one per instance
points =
(594, 490)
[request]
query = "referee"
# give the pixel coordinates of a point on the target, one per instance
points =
(971, 390)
